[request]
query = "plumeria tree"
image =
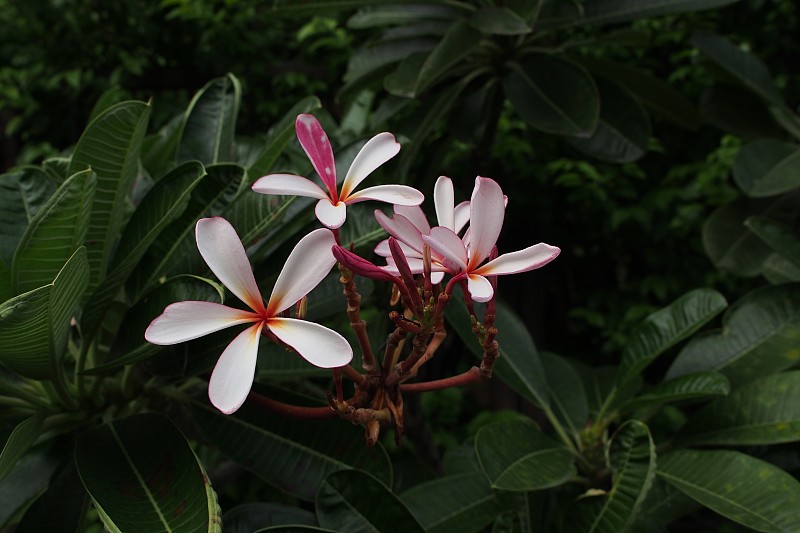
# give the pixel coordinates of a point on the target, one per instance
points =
(148, 387)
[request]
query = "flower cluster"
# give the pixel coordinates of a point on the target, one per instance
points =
(418, 257)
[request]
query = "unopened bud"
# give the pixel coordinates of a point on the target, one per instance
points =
(302, 308)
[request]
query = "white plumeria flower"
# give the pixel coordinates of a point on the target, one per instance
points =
(308, 263)
(409, 225)
(331, 208)
(463, 260)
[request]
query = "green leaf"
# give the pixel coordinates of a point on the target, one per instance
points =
(599, 12)
(22, 193)
(554, 95)
(746, 68)
(766, 167)
(690, 387)
(141, 483)
(160, 148)
(777, 269)
(371, 63)
(765, 411)
(517, 456)
(280, 135)
(291, 454)
(777, 236)
(459, 41)
(567, 394)
(493, 20)
(250, 517)
(759, 336)
(519, 364)
(174, 251)
(22, 437)
(741, 488)
(34, 326)
(667, 327)
(397, 14)
(356, 502)
(730, 245)
(164, 203)
(654, 93)
(429, 121)
(62, 507)
(110, 147)
(27, 480)
(623, 129)
(464, 503)
(53, 235)
(209, 125)
(632, 458)
(402, 81)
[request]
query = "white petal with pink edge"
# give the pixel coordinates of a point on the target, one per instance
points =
(461, 216)
(530, 258)
(444, 201)
(317, 344)
(315, 142)
(376, 152)
(308, 263)
(445, 242)
(487, 210)
(392, 194)
(415, 215)
(233, 375)
(331, 216)
(401, 229)
(382, 249)
(288, 185)
(184, 321)
(225, 256)
(479, 288)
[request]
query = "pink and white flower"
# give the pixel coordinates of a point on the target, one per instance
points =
(409, 224)
(463, 260)
(333, 202)
(309, 262)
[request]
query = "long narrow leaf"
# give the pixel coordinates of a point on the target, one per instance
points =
(34, 326)
(110, 147)
(53, 235)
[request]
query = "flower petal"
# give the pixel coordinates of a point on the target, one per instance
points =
(401, 229)
(479, 288)
(317, 344)
(288, 184)
(233, 375)
(391, 194)
(382, 249)
(444, 201)
(437, 277)
(530, 258)
(318, 149)
(460, 216)
(332, 216)
(487, 210)
(362, 267)
(225, 256)
(184, 321)
(376, 152)
(449, 245)
(415, 215)
(308, 264)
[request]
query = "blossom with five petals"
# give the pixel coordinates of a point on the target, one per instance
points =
(463, 260)
(309, 262)
(409, 224)
(331, 208)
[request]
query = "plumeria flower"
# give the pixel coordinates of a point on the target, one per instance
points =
(308, 263)
(331, 208)
(487, 210)
(409, 224)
